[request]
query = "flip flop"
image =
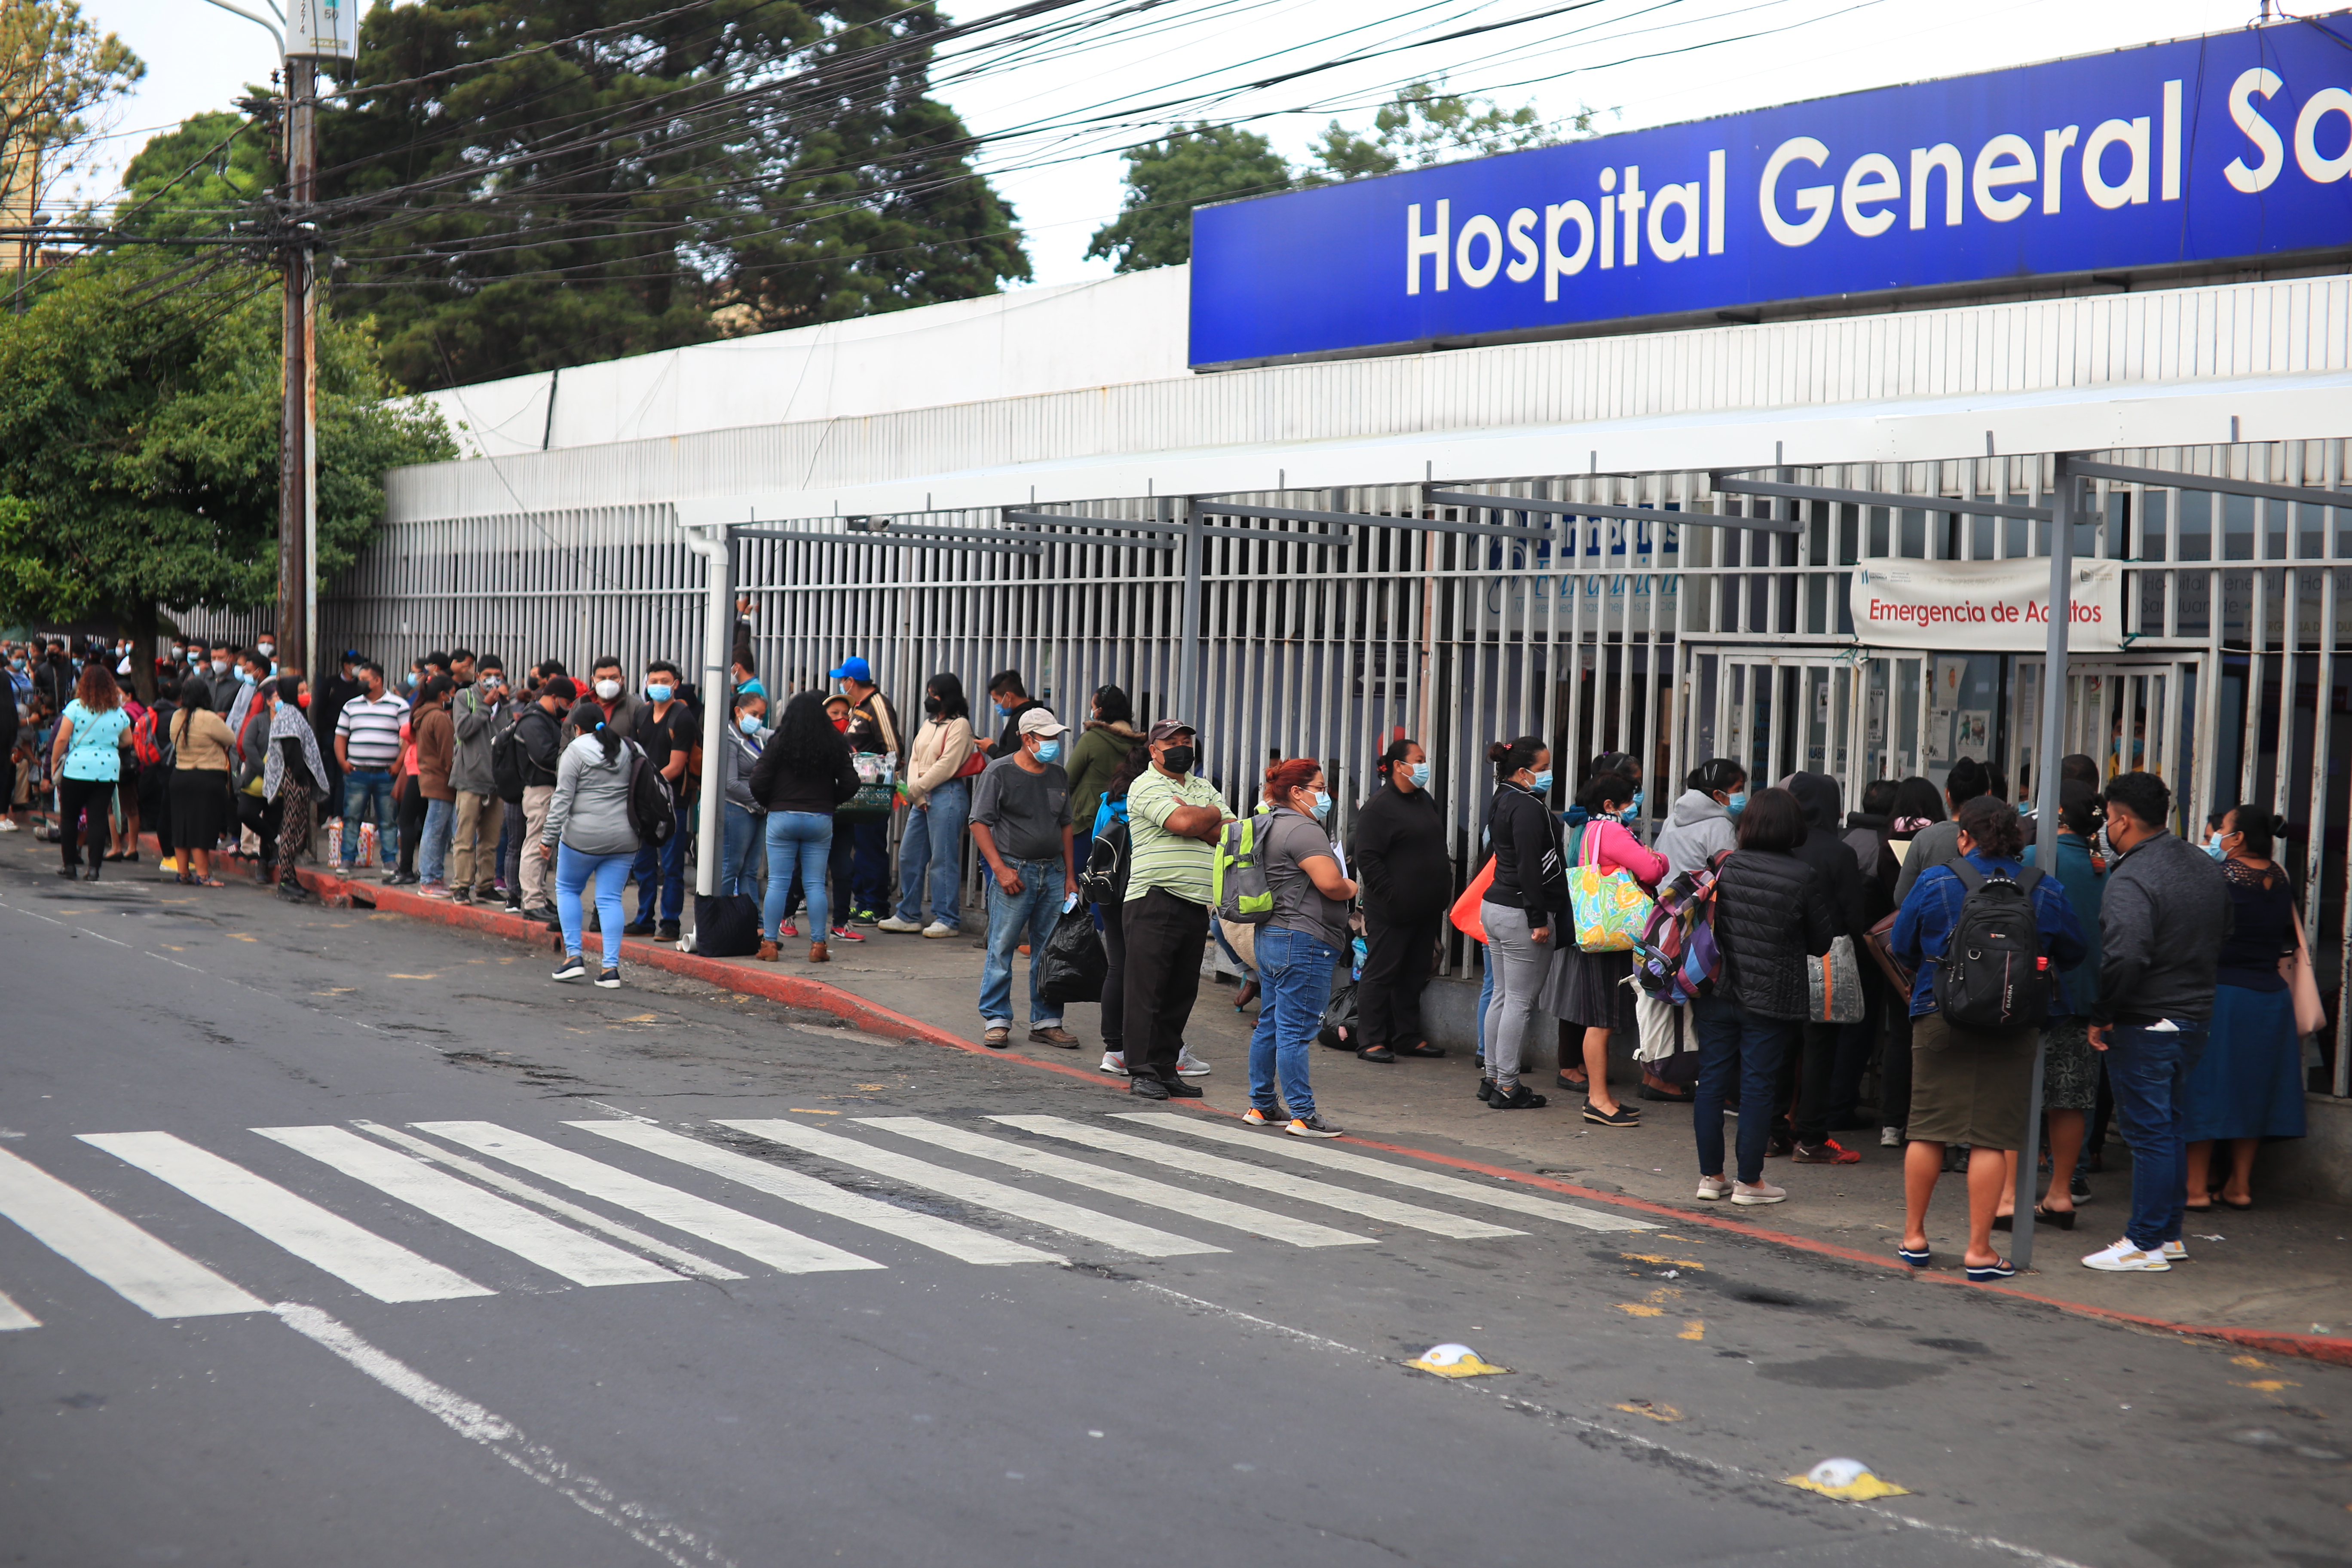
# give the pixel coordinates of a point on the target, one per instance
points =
(1919, 1259)
(1988, 1273)
(2239, 1207)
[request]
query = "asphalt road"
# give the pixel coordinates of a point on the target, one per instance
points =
(881, 1364)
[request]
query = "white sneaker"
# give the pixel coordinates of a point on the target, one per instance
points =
(8, 825)
(1713, 1189)
(1189, 1066)
(2122, 1257)
(1761, 1192)
(1113, 1062)
(1890, 1137)
(899, 927)
(2175, 1253)
(938, 928)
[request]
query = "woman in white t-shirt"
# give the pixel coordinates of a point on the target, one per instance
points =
(86, 759)
(1298, 948)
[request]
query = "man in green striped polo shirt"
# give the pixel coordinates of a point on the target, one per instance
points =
(1174, 820)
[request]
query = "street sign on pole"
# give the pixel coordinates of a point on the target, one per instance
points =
(323, 30)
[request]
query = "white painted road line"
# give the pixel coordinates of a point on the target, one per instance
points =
(788, 1251)
(358, 1258)
(977, 1191)
(12, 1316)
(958, 1241)
(1137, 1189)
(640, 1522)
(1279, 1183)
(534, 1237)
(678, 1258)
(164, 1281)
(1500, 1197)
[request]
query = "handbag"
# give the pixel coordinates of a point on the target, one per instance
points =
(1465, 915)
(1881, 942)
(1834, 984)
(2310, 1012)
(1608, 909)
(974, 766)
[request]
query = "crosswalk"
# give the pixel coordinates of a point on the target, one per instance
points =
(536, 1213)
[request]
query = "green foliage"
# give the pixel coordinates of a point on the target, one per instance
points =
(139, 443)
(57, 73)
(688, 173)
(197, 179)
(1168, 178)
(1424, 125)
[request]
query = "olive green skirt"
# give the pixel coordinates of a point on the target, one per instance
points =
(1970, 1086)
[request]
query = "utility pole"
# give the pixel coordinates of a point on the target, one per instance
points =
(298, 512)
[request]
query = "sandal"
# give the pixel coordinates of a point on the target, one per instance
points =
(1418, 1048)
(1624, 1116)
(208, 882)
(1919, 1259)
(1987, 1273)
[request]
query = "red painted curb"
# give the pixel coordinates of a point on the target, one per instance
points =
(800, 991)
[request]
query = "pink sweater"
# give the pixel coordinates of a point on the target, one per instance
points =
(1608, 843)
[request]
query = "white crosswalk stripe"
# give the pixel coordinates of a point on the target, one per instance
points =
(12, 1316)
(162, 1280)
(977, 1191)
(534, 1237)
(1279, 1183)
(957, 1241)
(1137, 1189)
(1380, 1170)
(384, 1270)
(783, 1249)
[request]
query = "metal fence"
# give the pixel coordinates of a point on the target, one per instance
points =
(1306, 631)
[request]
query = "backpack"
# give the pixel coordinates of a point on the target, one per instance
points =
(506, 762)
(1103, 879)
(150, 753)
(652, 811)
(1993, 974)
(1244, 895)
(1676, 959)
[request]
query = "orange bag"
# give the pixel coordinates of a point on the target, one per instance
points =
(1465, 915)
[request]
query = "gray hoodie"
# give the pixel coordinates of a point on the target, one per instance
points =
(590, 811)
(1696, 830)
(479, 722)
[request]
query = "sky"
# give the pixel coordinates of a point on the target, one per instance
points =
(1638, 62)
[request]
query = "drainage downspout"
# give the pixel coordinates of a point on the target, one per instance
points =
(718, 633)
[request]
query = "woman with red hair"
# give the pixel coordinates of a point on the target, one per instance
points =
(87, 762)
(1297, 947)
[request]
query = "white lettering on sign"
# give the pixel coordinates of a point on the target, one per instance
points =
(1983, 607)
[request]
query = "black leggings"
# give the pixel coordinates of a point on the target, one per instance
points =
(73, 796)
(411, 817)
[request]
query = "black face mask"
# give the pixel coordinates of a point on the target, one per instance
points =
(1177, 759)
(931, 705)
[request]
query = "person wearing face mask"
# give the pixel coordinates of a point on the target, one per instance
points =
(367, 749)
(936, 784)
(479, 712)
(1020, 824)
(433, 738)
(838, 859)
(539, 729)
(1587, 991)
(1009, 695)
(1702, 821)
(221, 672)
(667, 731)
(265, 647)
(874, 730)
(1108, 736)
(290, 781)
(739, 864)
(612, 696)
(1174, 818)
(1524, 906)
(1296, 947)
(326, 712)
(1401, 861)
(251, 671)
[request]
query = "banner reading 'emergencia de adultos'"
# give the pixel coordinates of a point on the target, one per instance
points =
(1983, 607)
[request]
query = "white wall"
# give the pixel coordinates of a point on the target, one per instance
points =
(1125, 329)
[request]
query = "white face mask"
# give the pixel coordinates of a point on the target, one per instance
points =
(608, 690)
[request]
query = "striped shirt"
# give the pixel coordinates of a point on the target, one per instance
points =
(1159, 859)
(370, 731)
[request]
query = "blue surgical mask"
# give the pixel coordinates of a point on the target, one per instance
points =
(1735, 805)
(1633, 808)
(1419, 773)
(748, 722)
(244, 675)
(1048, 749)
(2213, 847)
(1322, 805)
(660, 693)
(1542, 785)
(412, 680)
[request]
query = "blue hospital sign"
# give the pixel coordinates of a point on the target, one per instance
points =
(2236, 146)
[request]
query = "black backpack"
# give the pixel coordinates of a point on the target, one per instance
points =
(653, 811)
(506, 762)
(1103, 879)
(1993, 974)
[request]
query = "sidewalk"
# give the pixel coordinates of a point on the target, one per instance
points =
(2277, 1278)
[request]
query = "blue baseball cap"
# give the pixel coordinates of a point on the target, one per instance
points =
(855, 670)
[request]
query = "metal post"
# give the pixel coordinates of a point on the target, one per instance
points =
(297, 518)
(2045, 818)
(1188, 676)
(718, 554)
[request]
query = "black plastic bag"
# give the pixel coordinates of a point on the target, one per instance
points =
(1338, 1032)
(726, 925)
(1074, 961)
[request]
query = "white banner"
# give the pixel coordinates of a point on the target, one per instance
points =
(1983, 607)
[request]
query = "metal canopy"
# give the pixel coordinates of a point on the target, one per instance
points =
(2303, 494)
(1731, 485)
(1607, 509)
(1321, 542)
(802, 536)
(1372, 520)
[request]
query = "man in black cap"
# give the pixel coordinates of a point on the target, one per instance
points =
(1174, 818)
(327, 707)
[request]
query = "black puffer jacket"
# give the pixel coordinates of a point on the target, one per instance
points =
(1530, 871)
(1771, 914)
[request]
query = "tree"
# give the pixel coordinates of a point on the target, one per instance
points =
(1168, 178)
(139, 408)
(57, 73)
(195, 179)
(528, 184)
(1424, 125)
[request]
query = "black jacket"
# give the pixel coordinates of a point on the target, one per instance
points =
(1401, 858)
(541, 734)
(782, 789)
(2164, 913)
(1830, 856)
(1771, 914)
(1531, 868)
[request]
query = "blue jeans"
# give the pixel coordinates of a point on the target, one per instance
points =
(2149, 1070)
(574, 872)
(1013, 919)
(1485, 997)
(738, 859)
(433, 848)
(1294, 972)
(660, 869)
(932, 845)
(799, 844)
(368, 791)
(1736, 1043)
